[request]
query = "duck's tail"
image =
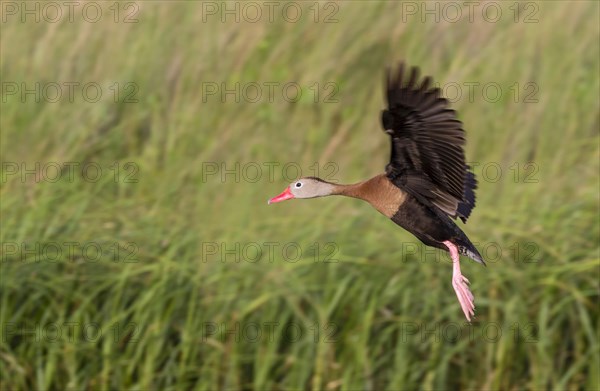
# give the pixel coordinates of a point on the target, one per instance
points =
(466, 248)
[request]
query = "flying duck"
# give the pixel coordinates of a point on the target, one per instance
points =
(426, 182)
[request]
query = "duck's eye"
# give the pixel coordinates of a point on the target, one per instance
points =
(298, 184)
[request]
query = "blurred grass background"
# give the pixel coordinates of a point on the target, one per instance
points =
(381, 317)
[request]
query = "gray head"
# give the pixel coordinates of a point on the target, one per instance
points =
(307, 187)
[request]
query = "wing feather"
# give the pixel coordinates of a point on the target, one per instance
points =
(427, 157)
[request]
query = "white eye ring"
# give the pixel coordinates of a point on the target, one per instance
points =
(298, 185)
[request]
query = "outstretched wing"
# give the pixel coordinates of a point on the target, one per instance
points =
(427, 158)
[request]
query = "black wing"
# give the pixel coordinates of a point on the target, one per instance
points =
(427, 158)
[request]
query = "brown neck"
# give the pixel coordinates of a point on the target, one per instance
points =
(366, 190)
(354, 190)
(377, 191)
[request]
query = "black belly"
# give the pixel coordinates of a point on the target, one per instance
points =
(429, 226)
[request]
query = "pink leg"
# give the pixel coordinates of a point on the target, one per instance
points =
(459, 282)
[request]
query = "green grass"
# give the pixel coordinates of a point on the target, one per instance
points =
(384, 315)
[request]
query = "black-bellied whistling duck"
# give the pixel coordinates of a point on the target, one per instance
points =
(426, 181)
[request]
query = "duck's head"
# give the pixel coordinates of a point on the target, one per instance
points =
(307, 187)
